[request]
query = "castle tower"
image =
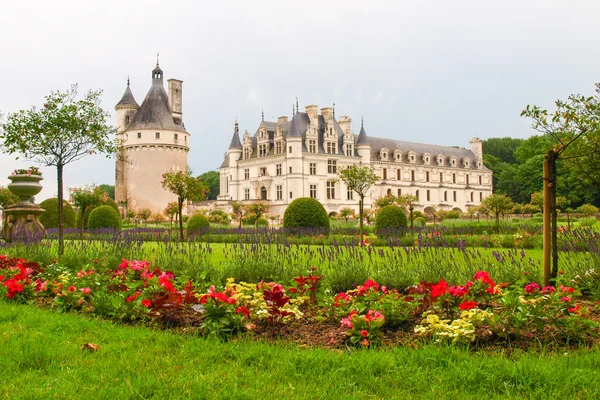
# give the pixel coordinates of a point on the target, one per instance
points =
(153, 141)
(363, 147)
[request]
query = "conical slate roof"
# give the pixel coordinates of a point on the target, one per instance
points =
(127, 99)
(235, 140)
(155, 113)
(294, 130)
(362, 136)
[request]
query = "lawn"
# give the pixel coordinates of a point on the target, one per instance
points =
(41, 357)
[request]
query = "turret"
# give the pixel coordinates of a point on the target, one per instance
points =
(126, 109)
(362, 145)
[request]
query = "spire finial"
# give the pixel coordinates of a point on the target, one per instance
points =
(296, 104)
(333, 110)
(293, 110)
(157, 55)
(127, 80)
(263, 115)
(362, 121)
(237, 130)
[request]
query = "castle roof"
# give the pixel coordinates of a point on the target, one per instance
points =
(362, 136)
(155, 113)
(235, 140)
(127, 99)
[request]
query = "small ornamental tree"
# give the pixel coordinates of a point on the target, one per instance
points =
(239, 210)
(498, 204)
(258, 210)
(359, 179)
(185, 187)
(346, 213)
(588, 210)
(7, 198)
(408, 200)
(143, 214)
(83, 198)
(64, 130)
(171, 211)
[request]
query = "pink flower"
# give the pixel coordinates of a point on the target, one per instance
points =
(566, 299)
(566, 289)
(575, 310)
(458, 291)
(364, 333)
(124, 264)
(86, 291)
(340, 296)
(548, 289)
(532, 288)
(365, 343)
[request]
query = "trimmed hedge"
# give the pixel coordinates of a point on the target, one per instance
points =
(262, 222)
(104, 217)
(50, 218)
(305, 212)
(419, 221)
(197, 225)
(108, 202)
(390, 218)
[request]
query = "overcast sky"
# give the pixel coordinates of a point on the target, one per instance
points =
(438, 72)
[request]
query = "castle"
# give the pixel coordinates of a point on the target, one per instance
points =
(153, 141)
(300, 157)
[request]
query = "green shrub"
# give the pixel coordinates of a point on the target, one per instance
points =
(389, 218)
(418, 214)
(104, 217)
(304, 213)
(262, 222)
(588, 222)
(50, 218)
(86, 216)
(452, 214)
(419, 221)
(197, 225)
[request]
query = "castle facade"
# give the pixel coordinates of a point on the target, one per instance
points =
(300, 157)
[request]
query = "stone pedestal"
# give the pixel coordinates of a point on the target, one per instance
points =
(22, 220)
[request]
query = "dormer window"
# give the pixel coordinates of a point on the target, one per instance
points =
(426, 158)
(453, 161)
(466, 162)
(412, 157)
(440, 160)
(384, 154)
(479, 164)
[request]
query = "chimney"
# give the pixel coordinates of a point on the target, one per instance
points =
(175, 86)
(282, 120)
(477, 148)
(327, 113)
(346, 124)
(313, 114)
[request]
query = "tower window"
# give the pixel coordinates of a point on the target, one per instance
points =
(139, 135)
(127, 118)
(428, 195)
(175, 136)
(454, 196)
(157, 135)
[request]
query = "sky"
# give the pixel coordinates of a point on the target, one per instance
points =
(437, 72)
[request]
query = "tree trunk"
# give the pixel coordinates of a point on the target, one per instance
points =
(410, 209)
(180, 210)
(554, 216)
(61, 228)
(549, 160)
(360, 213)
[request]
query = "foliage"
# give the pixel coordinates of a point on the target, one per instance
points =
(359, 180)
(108, 189)
(143, 214)
(390, 218)
(157, 218)
(104, 217)
(262, 222)
(198, 224)
(587, 210)
(50, 218)
(105, 200)
(239, 210)
(171, 211)
(7, 198)
(257, 210)
(27, 171)
(420, 221)
(219, 217)
(64, 130)
(498, 204)
(212, 181)
(305, 212)
(185, 187)
(83, 198)
(346, 213)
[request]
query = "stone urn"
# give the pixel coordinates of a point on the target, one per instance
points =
(25, 186)
(22, 220)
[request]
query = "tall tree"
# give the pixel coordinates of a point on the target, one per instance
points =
(212, 181)
(109, 189)
(498, 204)
(573, 131)
(186, 187)
(502, 148)
(359, 179)
(64, 130)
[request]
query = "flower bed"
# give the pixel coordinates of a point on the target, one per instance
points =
(480, 311)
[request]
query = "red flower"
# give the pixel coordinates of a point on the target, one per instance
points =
(548, 290)
(575, 310)
(86, 291)
(364, 333)
(439, 289)
(458, 291)
(243, 310)
(340, 296)
(484, 277)
(566, 299)
(365, 343)
(467, 305)
(566, 289)
(124, 264)
(147, 303)
(72, 289)
(532, 288)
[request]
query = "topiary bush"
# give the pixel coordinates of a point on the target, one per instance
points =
(198, 224)
(390, 218)
(104, 217)
(305, 213)
(262, 222)
(452, 214)
(50, 218)
(105, 202)
(419, 221)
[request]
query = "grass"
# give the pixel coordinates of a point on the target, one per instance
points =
(41, 357)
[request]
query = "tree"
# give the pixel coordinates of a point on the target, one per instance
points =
(185, 187)
(170, 211)
(85, 197)
(143, 214)
(239, 210)
(408, 200)
(359, 180)
(386, 200)
(346, 213)
(258, 209)
(212, 181)
(64, 130)
(588, 210)
(109, 189)
(498, 204)
(7, 198)
(573, 132)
